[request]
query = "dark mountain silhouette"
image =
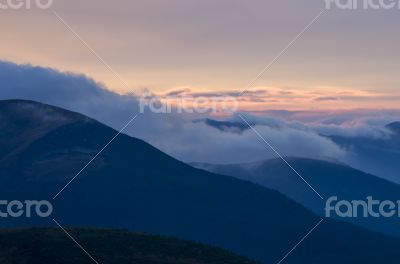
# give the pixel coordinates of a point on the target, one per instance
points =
(50, 246)
(395, 127)
(226, 126)
(378, 156)
(135, 186)
(329, 179)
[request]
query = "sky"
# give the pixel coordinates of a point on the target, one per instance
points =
(345, 60)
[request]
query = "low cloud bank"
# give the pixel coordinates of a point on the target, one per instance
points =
(292, 134)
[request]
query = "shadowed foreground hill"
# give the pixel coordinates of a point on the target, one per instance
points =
(50, 246)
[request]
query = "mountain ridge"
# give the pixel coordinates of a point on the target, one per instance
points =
(330, 179)
(135, 186)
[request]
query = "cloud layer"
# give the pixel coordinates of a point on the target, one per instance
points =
(292, 133)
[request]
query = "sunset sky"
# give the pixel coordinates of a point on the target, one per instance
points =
(346, 60)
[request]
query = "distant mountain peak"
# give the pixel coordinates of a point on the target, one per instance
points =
(37, 112)
(23, 122)
(395, 127)
(226, 126)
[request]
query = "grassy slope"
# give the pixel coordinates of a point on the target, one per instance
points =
(42, 246)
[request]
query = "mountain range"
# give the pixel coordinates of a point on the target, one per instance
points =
(329, 179)
(135, 186)
(378, 156)
(374, 155)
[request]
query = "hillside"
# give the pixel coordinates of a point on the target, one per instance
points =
(395, 127)
(330, 179)
(377, 156)
(49, 246)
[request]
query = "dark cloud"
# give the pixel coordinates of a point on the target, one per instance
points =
(326, 98)
(178, 92)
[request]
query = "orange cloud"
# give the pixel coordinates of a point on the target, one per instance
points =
(276, 98)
